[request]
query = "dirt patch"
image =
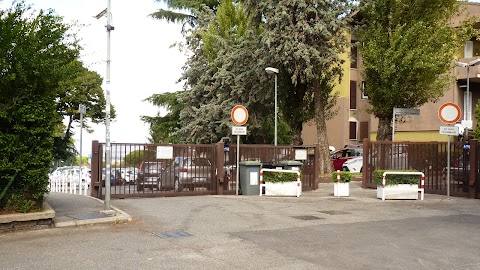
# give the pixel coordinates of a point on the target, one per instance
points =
(7, 212)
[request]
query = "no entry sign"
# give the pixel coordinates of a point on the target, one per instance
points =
(239, 115)
(449, 113)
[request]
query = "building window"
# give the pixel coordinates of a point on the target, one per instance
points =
(468, 50)
(363, 130)
(364, 95)
(354, 56)
(353, 95)
(352, 131)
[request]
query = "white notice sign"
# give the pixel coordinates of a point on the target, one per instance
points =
(449, 130)
(253, 178)
(164, 152)
(238, 130)
(300, 154)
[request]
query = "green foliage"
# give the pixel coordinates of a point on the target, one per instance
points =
(34, 48)
(345, 177)
(163, 128)
(20, 204)
(477, 117)
(230, 50)
(407, 49)
(183, 10)
(392, 179)
(79, 86)
(279, 177)
(134, 158)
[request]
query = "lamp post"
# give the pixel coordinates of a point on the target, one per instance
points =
(467, 112)
(271, 70)
(83, 110)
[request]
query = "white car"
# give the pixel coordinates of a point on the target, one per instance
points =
(353, 165)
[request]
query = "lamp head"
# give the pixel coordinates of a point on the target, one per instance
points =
(271, 70)
(474, 62)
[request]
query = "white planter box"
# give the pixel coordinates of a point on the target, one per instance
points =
(293, 188)
(341, 189)
(398, 192)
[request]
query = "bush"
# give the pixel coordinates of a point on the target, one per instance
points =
(394, 179)
(20, 204)
(345, 177)
(278, 177)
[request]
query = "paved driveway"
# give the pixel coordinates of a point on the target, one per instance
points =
(315, 231)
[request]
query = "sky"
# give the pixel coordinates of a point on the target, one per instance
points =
(142, 62)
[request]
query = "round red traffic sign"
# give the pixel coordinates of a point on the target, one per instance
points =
(449, 113)
(239, 115)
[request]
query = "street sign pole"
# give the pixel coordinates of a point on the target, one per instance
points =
(239, 117)
(448, 169)
(449, 113)
(238, 168)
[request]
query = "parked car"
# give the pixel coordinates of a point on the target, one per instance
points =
(342, 155)
(353, 165)
(149, 175)
(187, 172)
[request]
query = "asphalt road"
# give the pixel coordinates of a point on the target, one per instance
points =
(315, 231)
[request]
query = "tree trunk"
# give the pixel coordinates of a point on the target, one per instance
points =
(384, 128)
(325, 166)
(297, 134)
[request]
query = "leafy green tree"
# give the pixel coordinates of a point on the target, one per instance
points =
(182, 10)
(134, 158)
(34, 48)
(80, 86)
(163, 128)
(307, 38)
(407, 49)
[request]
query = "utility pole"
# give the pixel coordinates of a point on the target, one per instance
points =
(108, 157)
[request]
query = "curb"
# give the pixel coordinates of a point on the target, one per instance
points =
(47, 213)
(119, 217)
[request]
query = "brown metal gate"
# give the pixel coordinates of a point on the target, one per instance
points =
(429, 158)
(193, 169)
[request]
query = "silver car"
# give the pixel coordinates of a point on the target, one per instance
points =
(187, 172)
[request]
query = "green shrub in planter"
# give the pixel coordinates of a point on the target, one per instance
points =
(345, 177)
(278, 177)
(394, 179)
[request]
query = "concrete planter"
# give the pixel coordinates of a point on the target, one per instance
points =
(293, 188)
(341, 189)
(398, 192)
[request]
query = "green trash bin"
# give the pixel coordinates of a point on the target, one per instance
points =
(291, 165)
(250, 177)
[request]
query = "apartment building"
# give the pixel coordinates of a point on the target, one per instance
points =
(353, 123)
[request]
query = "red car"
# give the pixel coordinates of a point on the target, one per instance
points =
(342, 155)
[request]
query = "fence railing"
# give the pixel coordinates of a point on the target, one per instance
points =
(137, 170)
(429, 158)
(67, 182)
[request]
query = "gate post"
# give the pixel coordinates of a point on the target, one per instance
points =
(219, 179)
(95, 168)
(366, 169)
(472, 178)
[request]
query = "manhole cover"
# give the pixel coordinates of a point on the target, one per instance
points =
(334, 212)
(177, 234)
(88, 216)
(307, 217)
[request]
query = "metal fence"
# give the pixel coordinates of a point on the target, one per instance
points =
(137, 170)
(429, 158)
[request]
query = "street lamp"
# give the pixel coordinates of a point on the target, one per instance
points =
(467, 112)
(271, 70)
